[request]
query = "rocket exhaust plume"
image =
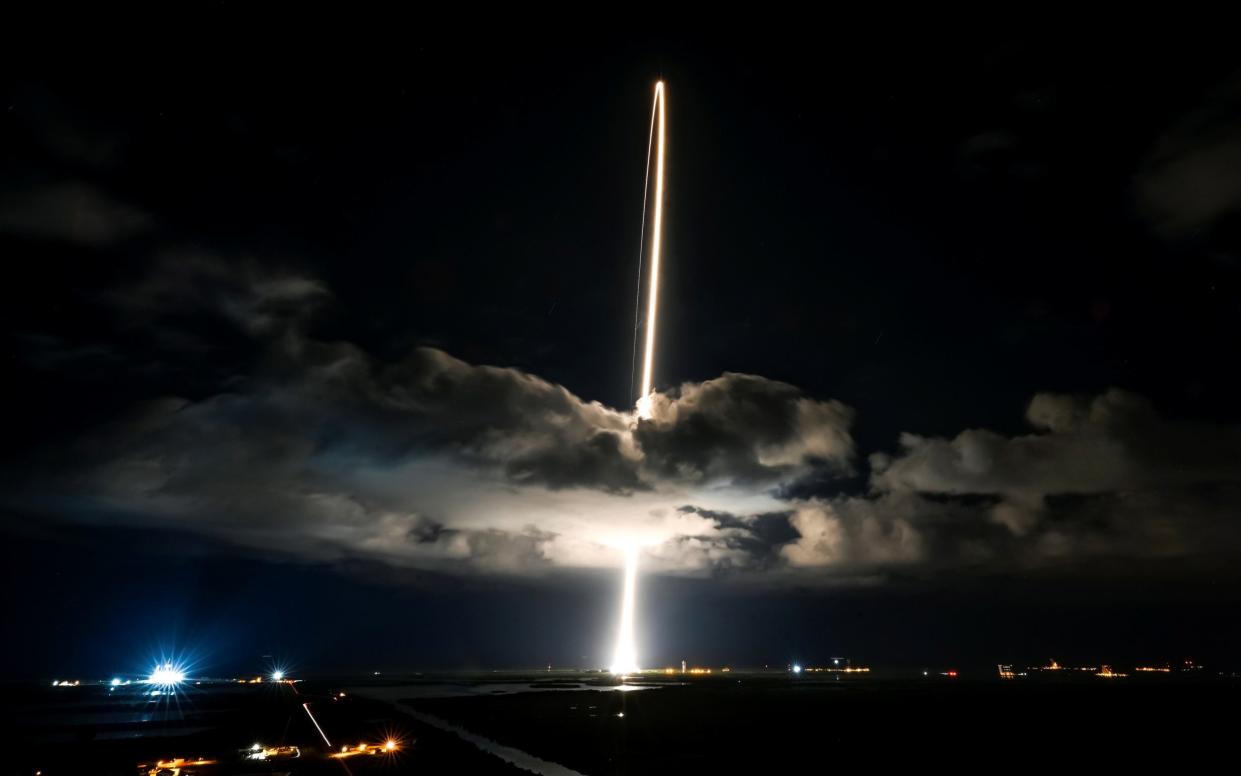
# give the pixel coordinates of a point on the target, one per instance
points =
(625, 656)
(625, 659)
(658, 119)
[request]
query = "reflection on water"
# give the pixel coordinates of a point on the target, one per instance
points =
(516, 757)
(398, 693)
(395, 693)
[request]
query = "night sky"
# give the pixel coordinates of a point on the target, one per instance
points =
(324, 352)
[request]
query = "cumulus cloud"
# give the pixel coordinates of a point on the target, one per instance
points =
(1099, 475)
(1113, 442)
(851, 531)
(325, 452)
(743, 427)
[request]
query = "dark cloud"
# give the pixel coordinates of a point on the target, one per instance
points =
(1113, 442)
(745, 428)
(1101, 476)
(1187, 185)
(750, 542)
(70, 211)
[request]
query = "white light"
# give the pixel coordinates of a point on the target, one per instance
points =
(625, 658)
(116, 682)
(652, 303)
(256, 747)
(277, 675)
(166, 675)
(796, 669)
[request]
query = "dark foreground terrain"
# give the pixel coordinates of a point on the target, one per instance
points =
(724, 723)
(92, 730)
(783, 724)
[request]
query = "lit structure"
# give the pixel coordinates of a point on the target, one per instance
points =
(166, 675)
(174, 766)
(1006, 672)
(840, 665)
(1106, 672)
(264, 753)
(389, 747)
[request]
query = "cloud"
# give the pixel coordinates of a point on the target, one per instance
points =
(1104, 475)
(184, 284)
(743, 428)
(851, 532)
(323, 452)
(1186, 183)
(70, 211)
(1113, 442)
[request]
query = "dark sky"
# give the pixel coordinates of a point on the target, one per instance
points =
(324, 352)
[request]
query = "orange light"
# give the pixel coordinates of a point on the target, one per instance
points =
(390, 745)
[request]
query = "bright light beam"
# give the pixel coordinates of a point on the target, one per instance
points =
(306, 706)
(625, 658)
(652, 303)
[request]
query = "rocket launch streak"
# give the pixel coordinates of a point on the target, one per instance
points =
(625, 656)
(657, 226)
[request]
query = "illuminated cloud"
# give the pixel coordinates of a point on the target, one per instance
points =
(323, 452)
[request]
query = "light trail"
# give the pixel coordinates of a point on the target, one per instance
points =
(637, 287)
(625, 656)
(652, 302)
(306, 706)
(625, 659)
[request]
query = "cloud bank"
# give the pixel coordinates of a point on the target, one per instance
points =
(327, 453)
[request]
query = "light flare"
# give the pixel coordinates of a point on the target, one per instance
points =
(625, 658)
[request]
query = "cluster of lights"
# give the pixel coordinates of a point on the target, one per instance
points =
(834, 670)
(166, 675)
(387, 747)
(260, 752)
(174, 765)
